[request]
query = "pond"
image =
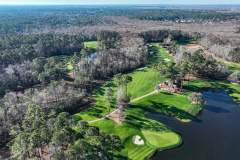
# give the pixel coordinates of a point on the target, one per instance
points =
(213, 135)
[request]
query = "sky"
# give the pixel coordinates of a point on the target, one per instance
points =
(119, 2)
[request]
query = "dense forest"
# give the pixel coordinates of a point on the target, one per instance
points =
(52, 17)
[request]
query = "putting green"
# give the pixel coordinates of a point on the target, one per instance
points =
(161, 139)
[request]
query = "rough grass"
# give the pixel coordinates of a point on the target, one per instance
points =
(91, 44)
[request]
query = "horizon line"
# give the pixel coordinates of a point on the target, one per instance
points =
(118, 4)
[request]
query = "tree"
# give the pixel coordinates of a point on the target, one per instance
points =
(118, 79)
(62, 120)
(21, 145)
(82, 126)
(235, 54)
(108, 96)
(92, 131)
(2, 91)
(234, 77)
(196, 98)
(162, 69)
(125, 80)
(36, 144)
(59, 156)
(155, 69)
(184, 69)
(113, 141)
(83, 146)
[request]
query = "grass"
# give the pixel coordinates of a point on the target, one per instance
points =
(100, 108)
(232, 67)
(143, 83)
(172, 104)
(156, 136)
(136, 124)
(144, 80)
(232, 89)
(159, 139)
(185, 41)
(70, 67)
(91, 44)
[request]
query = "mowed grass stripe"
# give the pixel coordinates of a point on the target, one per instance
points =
(141, 154)
(136, 152)
(142, 84)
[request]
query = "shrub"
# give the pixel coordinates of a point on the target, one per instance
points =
(196, 98)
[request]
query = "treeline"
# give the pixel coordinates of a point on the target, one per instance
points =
(28, 19)
(161, 35)
(202, 67)
(176, 15)
(221, 47)
(16, 48)
(108, 39)
(53, 137)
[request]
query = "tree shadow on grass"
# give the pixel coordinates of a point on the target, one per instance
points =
(101, 91)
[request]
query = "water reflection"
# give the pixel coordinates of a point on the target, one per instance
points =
(213, 135)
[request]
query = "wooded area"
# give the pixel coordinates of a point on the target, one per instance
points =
(38, 45)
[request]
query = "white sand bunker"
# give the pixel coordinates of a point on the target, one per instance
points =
(137, 140)
(167, 60)
(151, 52)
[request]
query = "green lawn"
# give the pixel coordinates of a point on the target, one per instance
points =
(144, 80)
(232, 89)
(143, 83)
(172, 104)
(91, 44)
(232, 67)
(100, 108)
(136, 124)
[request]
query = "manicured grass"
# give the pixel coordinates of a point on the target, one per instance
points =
(143, 83)
(100, 108)
(232, 89)
(91, 44)
(172, 104)
(136, 124)
(144, 80)
(159, 139)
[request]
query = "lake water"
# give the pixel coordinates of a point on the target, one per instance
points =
(213, 135)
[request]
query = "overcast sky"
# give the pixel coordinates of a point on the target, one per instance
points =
(119, 1)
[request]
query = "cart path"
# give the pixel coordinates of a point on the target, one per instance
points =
(117, 109)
